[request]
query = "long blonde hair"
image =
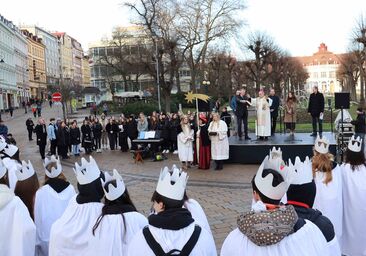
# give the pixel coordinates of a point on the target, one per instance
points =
(323, 163)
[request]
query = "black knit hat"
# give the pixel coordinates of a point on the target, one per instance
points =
(304, 193)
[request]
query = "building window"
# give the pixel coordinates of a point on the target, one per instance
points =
(323, 74)
(315, 75)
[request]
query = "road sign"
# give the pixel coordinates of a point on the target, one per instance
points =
(56, 97)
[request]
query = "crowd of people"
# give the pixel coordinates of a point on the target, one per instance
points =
(195, 140)
(310, 207)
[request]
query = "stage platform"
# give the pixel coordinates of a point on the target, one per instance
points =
(254, 151)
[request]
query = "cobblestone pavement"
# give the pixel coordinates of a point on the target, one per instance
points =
(223, 194)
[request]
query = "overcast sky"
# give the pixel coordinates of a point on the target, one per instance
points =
(296, 25)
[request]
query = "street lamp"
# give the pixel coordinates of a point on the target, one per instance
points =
(155, 37)
(206, 85)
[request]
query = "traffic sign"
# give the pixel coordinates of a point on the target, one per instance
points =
(56, 97)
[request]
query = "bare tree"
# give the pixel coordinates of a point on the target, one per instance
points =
(348, 72)
(202, 22)
(359, 42)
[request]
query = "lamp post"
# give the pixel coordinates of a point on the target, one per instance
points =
(206, 84)
(155, 40)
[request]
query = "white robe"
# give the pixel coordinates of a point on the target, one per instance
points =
(307, 241)
(354, 210)
(219, 142)
(10, 165)
(173, 239)
(328, 199)
(70, 234)
(263, 122)
(18, 232)
(198, 214)
(49, 207)
(111, 238)
(185, 146)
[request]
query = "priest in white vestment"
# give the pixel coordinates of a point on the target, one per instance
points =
(271, 229)
(71, 234)
(263, 123)
(219, 140)
(185, 143)
(18, 232)
(354, 200)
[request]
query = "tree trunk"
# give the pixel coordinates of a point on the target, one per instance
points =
(167, 99)
(64, 111)
(362, 98)
(177, 81)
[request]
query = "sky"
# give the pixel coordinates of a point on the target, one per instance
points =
(298, 26)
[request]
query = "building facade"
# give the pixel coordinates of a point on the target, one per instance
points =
(13, 65)
(66, 63)
(77, 57)
(52, 54)
(85, 81)
(37, 66)
(322, 69)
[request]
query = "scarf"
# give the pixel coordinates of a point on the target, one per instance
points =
(118, 209)
(58, 185)
(171, 219)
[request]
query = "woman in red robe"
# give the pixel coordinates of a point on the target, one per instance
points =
(204, 155)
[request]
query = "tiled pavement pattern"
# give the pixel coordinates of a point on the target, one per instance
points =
(223, 195)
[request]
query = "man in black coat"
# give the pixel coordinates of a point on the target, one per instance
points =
(30, 126)
(316, 110)
(41, 133)
(132, 132)
(226, 117)
(242, 103)
(274, 109)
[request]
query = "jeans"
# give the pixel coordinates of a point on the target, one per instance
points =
(75, 149)
(243, 119)
(97, 140)
(316, 120)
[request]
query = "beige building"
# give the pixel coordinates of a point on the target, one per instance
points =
(85, 81)
(36, 66)
(66, 63)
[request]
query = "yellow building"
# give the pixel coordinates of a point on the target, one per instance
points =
(85, 72)
(36, 66)
(67, 68)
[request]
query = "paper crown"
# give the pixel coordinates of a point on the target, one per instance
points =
(2, 169)
(2, 143)
(8, 149)
(55, 172)
(321, 145)
(25, 171)
(114, 192)
(301, 171)
(264, 184)
(87, 172)
(165, 187)
(355, 144)
(275, 153)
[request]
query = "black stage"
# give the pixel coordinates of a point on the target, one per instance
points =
(254, 151)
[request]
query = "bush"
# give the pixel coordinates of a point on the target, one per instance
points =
(139, 106)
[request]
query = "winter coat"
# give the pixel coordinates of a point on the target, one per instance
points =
(275, 105)
(61, 136)
(163, 127)
(132, 129)
(359, 123)
(4, 130)
(41, 133)
(316, 104)
(290, 112)
(97, 130)
(75, 136)
(30, 125)
(226, 117)
(174, 125)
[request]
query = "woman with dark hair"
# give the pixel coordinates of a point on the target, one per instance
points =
(204, 150)
(27, 186)
(62, 135)
(122, 136)
(290, 113)
(174, 126)
(163, 127)
(50, 202)
(97, 132)
(328, 179)
(75, 139)
(354, 199)
(86, 131)
(119, 220)
(18, 233)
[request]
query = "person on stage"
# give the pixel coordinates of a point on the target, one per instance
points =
(272, 229)
(226, 117)
(328, 179)
(263, 123)
(204, 152)
(274, 109)
(354, 199)
(316, 110)
(185, 143)
(219, 141)
(290, 113)
(242, 104)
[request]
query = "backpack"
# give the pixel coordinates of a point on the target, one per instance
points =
(186, 250)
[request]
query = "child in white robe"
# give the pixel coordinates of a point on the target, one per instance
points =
(50, 203)
(185, 143)
(10, 155)
(118, 222)
(18, 232)
(328, 180)
(354, 200)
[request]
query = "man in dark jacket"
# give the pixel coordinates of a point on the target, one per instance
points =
(226, 117)
(41, 133)
(359, 123)
(30, 126)
(242, 103)
(316, 110)
(132, 130)
(274, 109)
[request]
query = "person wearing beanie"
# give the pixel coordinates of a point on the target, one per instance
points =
(328, 180)
(301, 195)
(204, 148)
(50, 202)
(72, 232)
(16, 239)
(354, 199)
(271, 229)
(171, 229)
(118, 221)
